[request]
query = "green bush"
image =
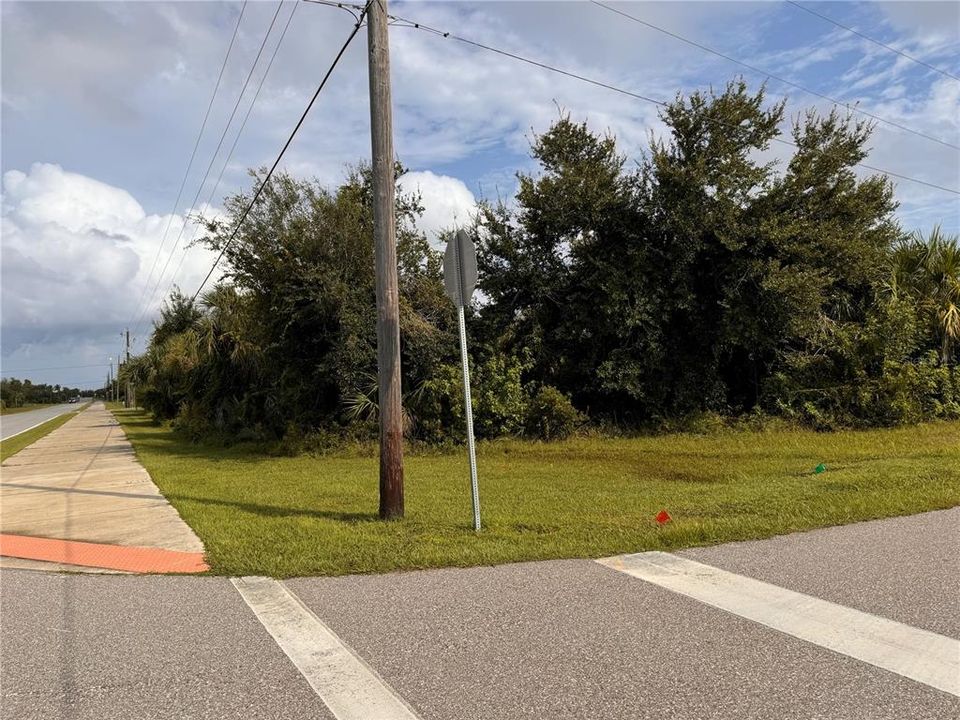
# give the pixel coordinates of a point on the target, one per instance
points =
(436, 407)
(898, 393)
(551, 415)
(192, 422)
(499, 399)
(296, 441)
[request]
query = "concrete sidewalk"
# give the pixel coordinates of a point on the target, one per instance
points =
(83, 483)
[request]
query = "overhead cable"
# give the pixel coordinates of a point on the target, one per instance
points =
(259, 191)
(873, 40)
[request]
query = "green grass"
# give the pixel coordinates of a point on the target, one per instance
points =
(19, 442)
(288, 516)
(23, 408)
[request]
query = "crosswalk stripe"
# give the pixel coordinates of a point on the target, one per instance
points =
(920, 655)
(347, 685)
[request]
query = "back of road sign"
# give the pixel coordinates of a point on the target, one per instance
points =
(460, 268)
(459, 280)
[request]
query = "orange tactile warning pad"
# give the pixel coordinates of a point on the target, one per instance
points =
(97, 555)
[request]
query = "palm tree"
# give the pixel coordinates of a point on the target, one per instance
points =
(928, 268)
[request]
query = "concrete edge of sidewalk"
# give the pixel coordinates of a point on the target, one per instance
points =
(57, 498)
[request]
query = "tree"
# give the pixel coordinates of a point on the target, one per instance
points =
(546, 271)
(704, 277)
(689, 283)
(17, 393)
(928, 270)
(288, 336)
(703, 189)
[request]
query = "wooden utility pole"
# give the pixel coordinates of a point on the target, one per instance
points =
(385, 246)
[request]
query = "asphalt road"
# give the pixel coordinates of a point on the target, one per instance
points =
(561, 639)
(906, 569)
(17, 423)
(116, 647)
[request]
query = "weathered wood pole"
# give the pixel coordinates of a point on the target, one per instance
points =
(385, 246)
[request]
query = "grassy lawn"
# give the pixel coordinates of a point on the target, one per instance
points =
(19, 442)
(283, 517)
(24, 408)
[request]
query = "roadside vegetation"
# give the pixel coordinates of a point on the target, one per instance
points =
(22, 395)
(616, 292)
(581, 497)
(12, 446)
(4, 410)
(696, 287)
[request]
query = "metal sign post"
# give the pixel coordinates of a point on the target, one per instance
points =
(459, 280)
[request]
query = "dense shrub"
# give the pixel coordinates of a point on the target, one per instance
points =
(437, 406)
(551, 415)
(899, 393)
(499, 401)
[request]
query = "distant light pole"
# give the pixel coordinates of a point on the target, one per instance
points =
(128, 398)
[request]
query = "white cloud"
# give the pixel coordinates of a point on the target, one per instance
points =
(446, 200)
(48, 195)
(77, 254)
(933, 22)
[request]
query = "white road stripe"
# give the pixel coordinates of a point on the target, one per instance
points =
(349, 687)
(917, 654)
(42, 422)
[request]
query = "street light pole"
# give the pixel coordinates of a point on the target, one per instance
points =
(128, 399)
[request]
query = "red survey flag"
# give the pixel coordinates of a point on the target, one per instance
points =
(663, 517)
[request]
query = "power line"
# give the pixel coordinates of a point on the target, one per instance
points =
(840, 103)
(206, 174)
(598, 83)
(196, 144)
(236, 139)
(873, 40)
(286, 145)
(348, 7)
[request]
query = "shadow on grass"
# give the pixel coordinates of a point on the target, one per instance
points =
(276, 511)
(147, 434)
(212, 454)
(137, 419)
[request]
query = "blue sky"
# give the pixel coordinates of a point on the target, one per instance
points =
(102, 104)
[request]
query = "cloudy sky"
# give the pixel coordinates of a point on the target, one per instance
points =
(102, 103)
